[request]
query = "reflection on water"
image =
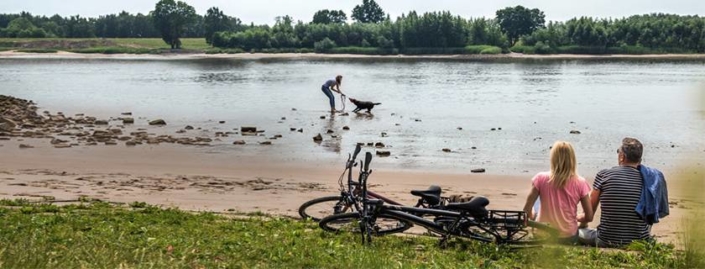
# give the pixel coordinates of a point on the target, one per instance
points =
(423, 103)
(219, 78)
(332, 133)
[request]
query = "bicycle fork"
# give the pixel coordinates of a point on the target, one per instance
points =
(368, 219)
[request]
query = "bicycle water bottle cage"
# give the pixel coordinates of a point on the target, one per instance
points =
(476, 207)
(432, 195)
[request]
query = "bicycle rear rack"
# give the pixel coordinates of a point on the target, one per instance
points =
(506, 219)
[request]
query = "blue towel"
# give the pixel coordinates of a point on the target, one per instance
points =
(653, 203)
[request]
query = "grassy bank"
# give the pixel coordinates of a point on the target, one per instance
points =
(101, 235)
(100, 45)
(587, 50)
(478, 49)
(198, 45)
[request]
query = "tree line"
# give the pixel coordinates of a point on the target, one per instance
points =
(122, 25)
(430, 30)
(656, 32)
(516, 28)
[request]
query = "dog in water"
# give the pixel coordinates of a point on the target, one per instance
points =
(363, 105)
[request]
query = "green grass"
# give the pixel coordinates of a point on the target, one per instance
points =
(223, 51)
(99, 45)
(593, 50)
(198, 45)
(475, 49)
(38, 50)
(100, 235)
(483, 49)
(523, 49)
(116, 50)
(157, 43)
(363, 51)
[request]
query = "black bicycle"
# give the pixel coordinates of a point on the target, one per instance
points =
(349, 199)
(467, 220)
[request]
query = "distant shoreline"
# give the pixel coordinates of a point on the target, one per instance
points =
(255, 56)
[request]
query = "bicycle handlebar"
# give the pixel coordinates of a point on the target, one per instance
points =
(357, 151)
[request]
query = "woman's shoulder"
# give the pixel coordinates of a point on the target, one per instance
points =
(579, 181)
(542, 176)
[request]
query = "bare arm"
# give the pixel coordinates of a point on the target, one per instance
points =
(530, 200)
(587, 209)
(337, 86)
(594, 201)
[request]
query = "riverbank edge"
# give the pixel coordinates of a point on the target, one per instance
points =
(519, 56)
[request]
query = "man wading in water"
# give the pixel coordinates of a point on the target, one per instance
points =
(332, 85)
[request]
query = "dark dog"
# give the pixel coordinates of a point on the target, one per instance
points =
(363, 105)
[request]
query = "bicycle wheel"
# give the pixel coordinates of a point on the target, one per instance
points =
(349, 222)
(322, 207)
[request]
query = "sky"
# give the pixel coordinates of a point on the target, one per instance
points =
(264, 11)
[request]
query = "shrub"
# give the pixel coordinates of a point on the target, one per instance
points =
(365, 51)
(428, 51)
(491, 50)
(523, 49)
(482, 49)
(324, 45)
(541, 48)
(38, 50)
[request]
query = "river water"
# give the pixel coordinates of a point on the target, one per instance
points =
(424, 102)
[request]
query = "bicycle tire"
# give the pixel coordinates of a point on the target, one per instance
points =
(322, 207)
(349, 222)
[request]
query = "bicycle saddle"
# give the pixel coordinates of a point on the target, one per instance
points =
(432, 195)
(476, 206)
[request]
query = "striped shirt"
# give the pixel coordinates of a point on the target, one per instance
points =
(620, 190)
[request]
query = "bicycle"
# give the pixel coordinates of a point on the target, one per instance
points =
(349, 199)
(467, 220)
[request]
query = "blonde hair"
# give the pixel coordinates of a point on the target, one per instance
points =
(564, 165)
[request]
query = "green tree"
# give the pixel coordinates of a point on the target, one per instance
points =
(216, 21)
(143, 26)
(329, 16)
(368, 12)
(519, 21)
(171, 20)
(125, 24)
(23, 27)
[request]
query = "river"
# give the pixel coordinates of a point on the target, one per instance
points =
(425, 104)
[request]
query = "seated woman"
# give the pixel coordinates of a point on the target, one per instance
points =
(560, 190)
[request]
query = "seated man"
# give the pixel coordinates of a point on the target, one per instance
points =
(618, 191)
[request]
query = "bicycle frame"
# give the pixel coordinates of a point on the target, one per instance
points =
(349, 194)
(372, 208)
(412, 214)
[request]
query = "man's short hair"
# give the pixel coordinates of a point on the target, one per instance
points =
(632, 149)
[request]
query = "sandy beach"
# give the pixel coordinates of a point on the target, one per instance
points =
(177, 176)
